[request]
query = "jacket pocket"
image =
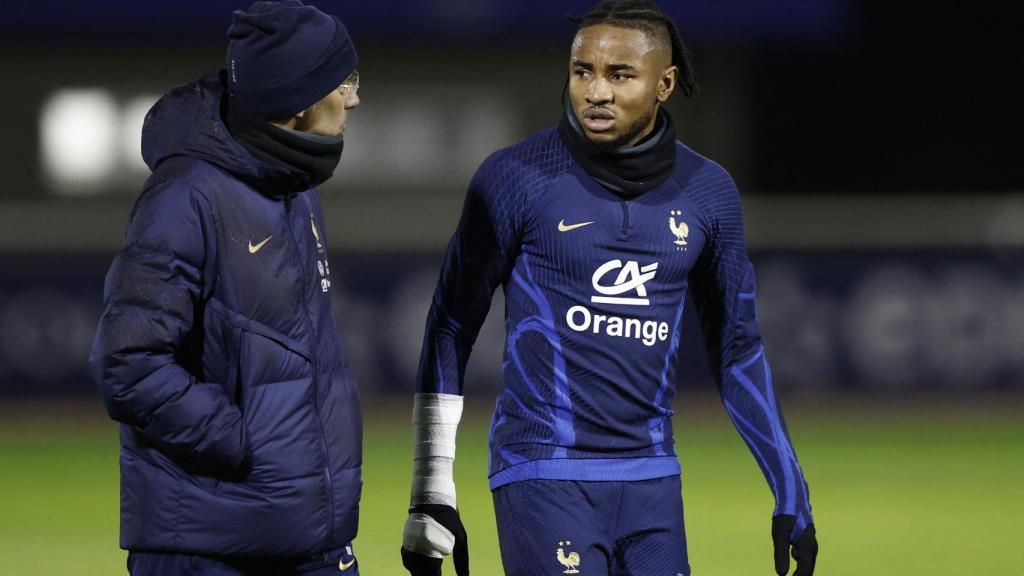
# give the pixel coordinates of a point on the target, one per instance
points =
(276, 387)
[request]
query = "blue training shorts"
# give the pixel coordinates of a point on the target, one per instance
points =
(592, 528)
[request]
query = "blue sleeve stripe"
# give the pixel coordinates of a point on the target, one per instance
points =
(794, 472)
(743, 426)
(440, 374)
(750, 427)
(780, 442)
(790, 491)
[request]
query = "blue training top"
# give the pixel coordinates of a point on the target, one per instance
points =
(595, 287)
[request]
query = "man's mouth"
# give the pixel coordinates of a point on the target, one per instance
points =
(598, 119)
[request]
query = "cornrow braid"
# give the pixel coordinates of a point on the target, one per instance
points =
(645, 15)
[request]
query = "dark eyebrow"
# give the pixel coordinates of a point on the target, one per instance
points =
(611, 67)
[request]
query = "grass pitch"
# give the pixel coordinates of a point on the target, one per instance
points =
(923, 490)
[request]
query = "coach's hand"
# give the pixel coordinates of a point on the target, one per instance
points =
(433, 531)
(805, 546)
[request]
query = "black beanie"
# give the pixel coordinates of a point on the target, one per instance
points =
(285, 56)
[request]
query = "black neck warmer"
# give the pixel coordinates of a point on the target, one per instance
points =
(309, 158)
(628, 170)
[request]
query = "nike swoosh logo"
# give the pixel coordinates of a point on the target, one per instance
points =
(254, 249)
(563, 227)
(344, 566)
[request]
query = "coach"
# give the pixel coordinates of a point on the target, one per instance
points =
(217, 351)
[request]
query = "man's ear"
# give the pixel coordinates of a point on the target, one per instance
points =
(667, 83)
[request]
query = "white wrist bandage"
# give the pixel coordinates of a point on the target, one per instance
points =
(435, 420)
(426, 536)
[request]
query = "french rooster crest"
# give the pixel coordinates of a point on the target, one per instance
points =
(571, 562)
(680, 229)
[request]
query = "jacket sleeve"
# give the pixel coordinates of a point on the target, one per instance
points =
(479, 258)
(724, 293)
(143, 341)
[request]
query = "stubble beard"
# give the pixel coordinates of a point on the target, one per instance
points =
(604, 147)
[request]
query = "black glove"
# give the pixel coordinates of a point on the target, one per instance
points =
(417, 546)
(805, 548)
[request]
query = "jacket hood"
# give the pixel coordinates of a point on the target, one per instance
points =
(187, 121)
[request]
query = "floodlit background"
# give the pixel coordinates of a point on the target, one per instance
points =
(878, 150)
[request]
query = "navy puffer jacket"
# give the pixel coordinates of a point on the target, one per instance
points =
(241, 430)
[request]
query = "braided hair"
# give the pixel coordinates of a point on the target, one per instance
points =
(645, 15)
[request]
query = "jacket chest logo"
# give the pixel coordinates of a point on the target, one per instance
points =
(322, 265)
(316, 235)
(254, 248)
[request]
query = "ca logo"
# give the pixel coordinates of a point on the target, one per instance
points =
(631, 277)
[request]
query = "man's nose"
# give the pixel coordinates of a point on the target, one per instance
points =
(352, 101)
(599, 91)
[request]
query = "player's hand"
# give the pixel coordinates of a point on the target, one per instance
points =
(433, 531)
(805, 546)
